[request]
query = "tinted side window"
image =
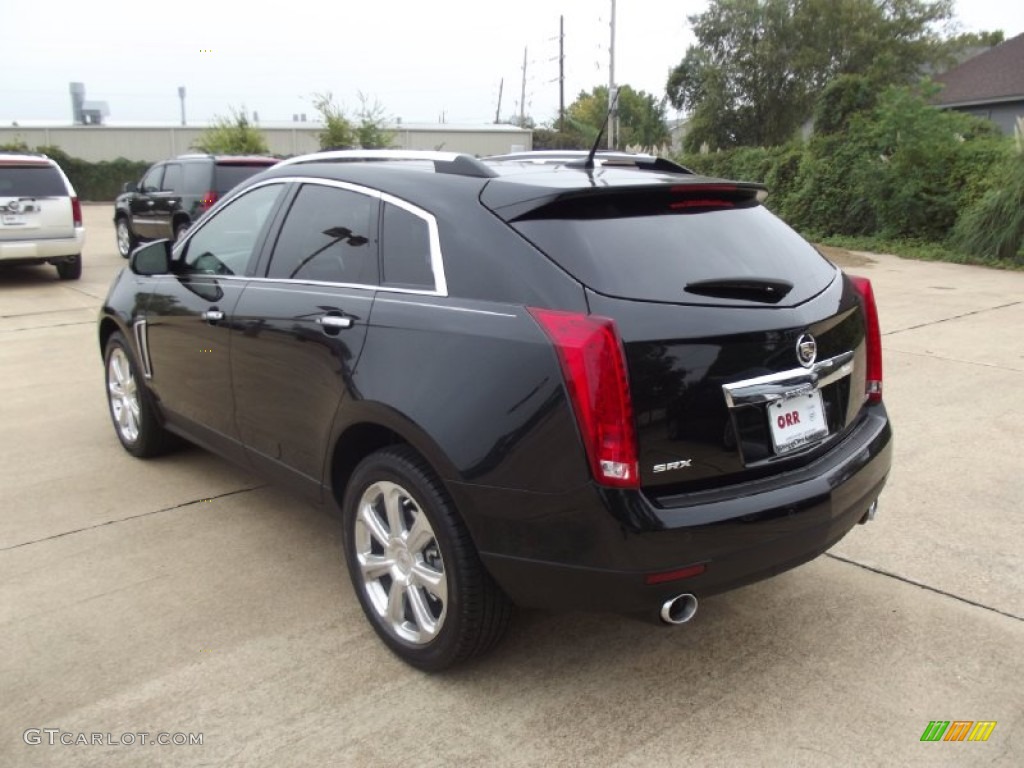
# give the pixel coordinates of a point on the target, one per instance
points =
(172, 178)
(405, 249)
(151, 181)
(328, 235)
(197, 178)
(223, 246)
(31, 181)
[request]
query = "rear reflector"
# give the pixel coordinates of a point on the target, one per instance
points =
(76, 211)
(593, 364)
(873, 385)
(680, 573)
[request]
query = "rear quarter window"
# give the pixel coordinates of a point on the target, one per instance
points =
(31, 181)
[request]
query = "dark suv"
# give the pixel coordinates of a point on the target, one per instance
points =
(174, 193)
(551, 381)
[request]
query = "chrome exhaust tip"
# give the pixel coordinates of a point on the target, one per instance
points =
(871, 514)
(679, 609)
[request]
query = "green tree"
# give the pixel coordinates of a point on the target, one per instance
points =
(338, 132)
(641, 117)
(760, 65)
(233, 135)
(372, 131)
(368, 131)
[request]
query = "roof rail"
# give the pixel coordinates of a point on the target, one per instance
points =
(607, 157)
(456, 163)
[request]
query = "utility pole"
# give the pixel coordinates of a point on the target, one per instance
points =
(522, 98)
(181, 95)
(612, 109)
(561, 74)
(497, 112)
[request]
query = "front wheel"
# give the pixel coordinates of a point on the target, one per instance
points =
(131, 407)
(415, 570)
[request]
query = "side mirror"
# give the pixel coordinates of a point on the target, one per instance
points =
(129, 186)
(152, 258)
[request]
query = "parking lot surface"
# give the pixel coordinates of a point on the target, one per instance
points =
(183, 596)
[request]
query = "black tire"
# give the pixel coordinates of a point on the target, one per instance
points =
(126, 239)
(70, 269)
(138, 428)
(473, 614)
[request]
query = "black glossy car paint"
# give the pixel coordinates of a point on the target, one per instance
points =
(471, 381)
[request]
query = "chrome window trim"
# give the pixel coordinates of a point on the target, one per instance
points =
(436, 256)
(141, 331)
(443, 306)
(436, 267)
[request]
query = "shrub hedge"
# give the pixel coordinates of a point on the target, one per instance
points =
(899, 171)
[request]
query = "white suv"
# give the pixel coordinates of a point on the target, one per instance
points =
(40, 216)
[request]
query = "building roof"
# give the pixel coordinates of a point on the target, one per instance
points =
(994, 76)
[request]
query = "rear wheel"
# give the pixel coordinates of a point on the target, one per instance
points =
(414, 567)
(131, 406)
(70, 269)
(126, 241)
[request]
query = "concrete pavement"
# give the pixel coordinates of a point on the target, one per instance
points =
(182, 595)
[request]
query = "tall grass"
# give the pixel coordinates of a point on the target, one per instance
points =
(993, 227)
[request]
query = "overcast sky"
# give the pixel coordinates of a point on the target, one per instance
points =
(419, 60)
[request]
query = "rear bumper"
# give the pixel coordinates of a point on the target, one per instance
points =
(29, 251)
(592, 549)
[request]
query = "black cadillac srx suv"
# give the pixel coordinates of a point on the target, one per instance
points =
(605, 384)
(174, 193)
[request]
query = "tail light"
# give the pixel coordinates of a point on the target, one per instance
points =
(873, 386)
(594, 367)
(76, 211)
(208, 199)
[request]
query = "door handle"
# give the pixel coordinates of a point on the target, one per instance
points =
(334, 322)
(212, 316)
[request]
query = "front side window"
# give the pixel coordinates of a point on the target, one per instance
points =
(224, 245)
(329, 235)
(151, 181)
(405, 249)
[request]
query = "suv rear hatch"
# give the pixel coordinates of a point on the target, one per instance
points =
(229, 172)
(713, 297)
(34, 201)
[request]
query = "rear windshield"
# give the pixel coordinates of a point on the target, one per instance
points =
(31, 181)
(653, 257)
(229, 175)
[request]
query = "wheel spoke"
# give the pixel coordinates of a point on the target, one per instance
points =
(396, 607)
(435, 582)
(420, 534)
(374, 566)
(369, 517)
(393, 506)
(425, 620)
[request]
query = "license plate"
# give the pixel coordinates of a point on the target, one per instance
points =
(13, 220)
(797, 421)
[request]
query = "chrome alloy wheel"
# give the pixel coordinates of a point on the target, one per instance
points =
(124, 238)
(123, 394)
(400, 563)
